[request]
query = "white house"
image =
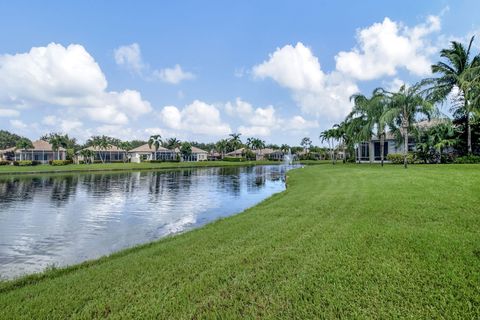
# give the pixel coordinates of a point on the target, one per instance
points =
(147, 153)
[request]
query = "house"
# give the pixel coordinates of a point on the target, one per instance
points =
(369, 151)
(110, 154)
(196, 155)
(260, 154)
(213, 156)
(42, 152)
(147, 153)
(7, 154)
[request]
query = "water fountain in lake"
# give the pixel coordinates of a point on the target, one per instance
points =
(288, 158)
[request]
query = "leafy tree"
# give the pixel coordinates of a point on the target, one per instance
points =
(24, 144)
(235, 141)
(458, 75)
(186, 150)
(8, 140)
(370, 113)
(402, 109)
(306, 143)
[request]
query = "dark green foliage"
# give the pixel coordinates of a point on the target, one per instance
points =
(468, 159)
(59, 162)
(8, 140)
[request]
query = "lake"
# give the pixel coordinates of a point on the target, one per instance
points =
(63, 219)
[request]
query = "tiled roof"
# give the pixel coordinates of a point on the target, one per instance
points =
(146, 148)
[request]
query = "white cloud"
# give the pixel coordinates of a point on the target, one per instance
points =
(263, 121)
(197, 118)
(9, 113)
(62, 125)
(385, 47)
(173, 75)
(317, 93)
(65, 77)
(130, 57)
(298, 123)
(18, 124)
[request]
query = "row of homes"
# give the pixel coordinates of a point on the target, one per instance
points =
(43, 152)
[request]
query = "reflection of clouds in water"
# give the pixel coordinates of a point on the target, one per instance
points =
(68, 219)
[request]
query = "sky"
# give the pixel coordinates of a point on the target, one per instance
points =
(200, 70)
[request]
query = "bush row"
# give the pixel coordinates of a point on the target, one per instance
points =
(397, 158)
(234, 159)
(468, 159)
(4, 163)
(60, 162)
(23, 163)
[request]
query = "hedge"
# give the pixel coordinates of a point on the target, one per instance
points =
(397, 158)
(234, 159)
(4, 163)
(60, 162)
(468, 159)
(23, 163)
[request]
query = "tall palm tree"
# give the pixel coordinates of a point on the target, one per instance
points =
(156, 141)
(457, 74)
(173, 143)
(329, 136)
(222, 146)
(402, 109)
(370, 112)
(235, 140)
(284, 148)
(306, 143)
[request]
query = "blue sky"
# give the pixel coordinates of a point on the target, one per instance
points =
(279, 70)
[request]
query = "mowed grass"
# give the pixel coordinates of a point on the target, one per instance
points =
(8, 169)
(344, 241)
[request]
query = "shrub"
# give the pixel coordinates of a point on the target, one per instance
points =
(468, 159)
(4, 163)
(397, 158)
(60, 162)
(23, 163)
(233, 159)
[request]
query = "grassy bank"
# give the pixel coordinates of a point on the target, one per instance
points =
(354, 241)
(123, 166)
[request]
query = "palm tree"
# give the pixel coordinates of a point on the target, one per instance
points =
(100, 143)
(156, 141)
(306, 143)
(235, 140)
(459, 75)
(370, 111)
(125, 146)
(330, 135)
(173, 143)
(23, 144)
(87, 155)
(222, 146)
(402, 109)
(284, 148)
(186, 150)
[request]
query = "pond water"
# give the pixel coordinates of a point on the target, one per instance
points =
(58, 220)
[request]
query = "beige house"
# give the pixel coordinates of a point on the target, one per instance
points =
(42, 152)
(110, 154)
(196, 155)
(147, 153)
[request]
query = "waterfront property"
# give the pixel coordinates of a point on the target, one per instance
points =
(260, 154)
(110, 154)
(197, 154)
(148, 153)
(42, 152)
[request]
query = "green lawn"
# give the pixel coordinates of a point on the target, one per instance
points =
(124, 166)
(344, 241)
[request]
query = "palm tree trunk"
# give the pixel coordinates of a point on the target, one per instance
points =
(382, 146)
(469, 135)
(405, 146)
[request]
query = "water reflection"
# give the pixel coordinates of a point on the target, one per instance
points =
(66, 219)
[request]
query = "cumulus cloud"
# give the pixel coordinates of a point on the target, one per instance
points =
(65, 77)
(130, 57)
(62, 125)
(9, 113)
(263, 121)
(316, 92)
(383, 48)
(173, 75)
(197, 118)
